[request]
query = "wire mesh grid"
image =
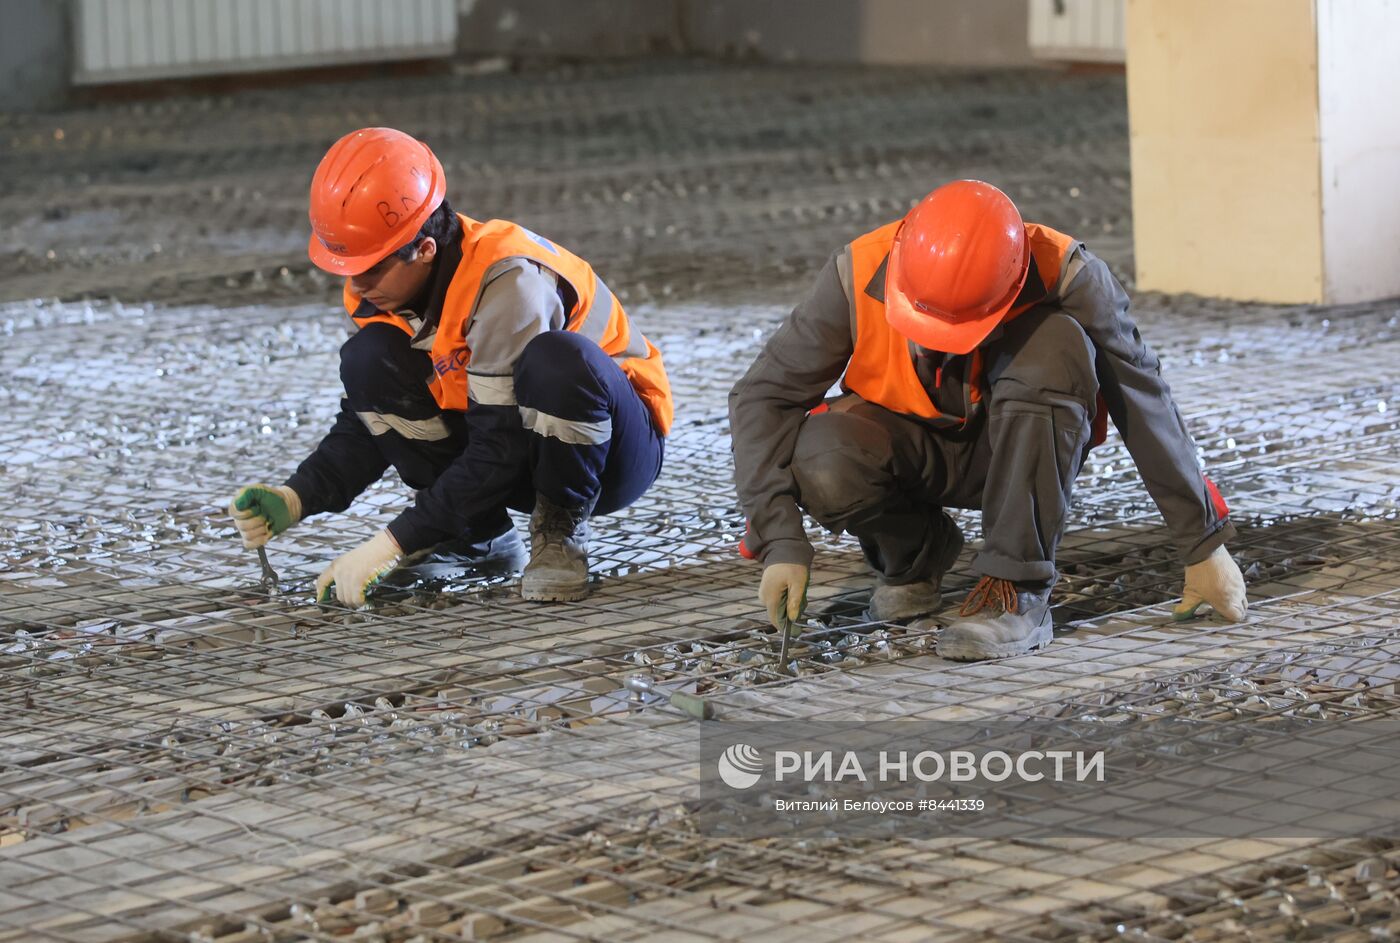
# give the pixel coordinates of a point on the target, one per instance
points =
(188, 755)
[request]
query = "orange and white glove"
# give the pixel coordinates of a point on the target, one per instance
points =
(261, 512)
(353, 573)
(1217, 582)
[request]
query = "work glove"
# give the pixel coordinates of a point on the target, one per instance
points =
(1217, 581)
(783, 592)
(355, 572)
(261, 512)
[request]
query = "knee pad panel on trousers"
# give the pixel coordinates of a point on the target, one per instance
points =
(1050, 425)
(841, 465)
(555, 374)
(1044, 353)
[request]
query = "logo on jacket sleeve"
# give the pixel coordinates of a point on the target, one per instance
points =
(457, 359)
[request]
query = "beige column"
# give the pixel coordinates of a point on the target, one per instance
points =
(1265, 141)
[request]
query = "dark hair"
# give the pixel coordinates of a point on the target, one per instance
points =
(443, 226)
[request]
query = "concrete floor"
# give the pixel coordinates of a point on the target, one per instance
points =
(185, 756)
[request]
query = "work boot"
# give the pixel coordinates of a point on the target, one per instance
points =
(999, 619)
(895, 602)
(499, 552)
(503, 553)
(558, 567)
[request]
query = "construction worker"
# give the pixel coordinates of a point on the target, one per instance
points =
(489, 366)
(979, 359)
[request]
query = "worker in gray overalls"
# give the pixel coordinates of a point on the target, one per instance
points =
(980, 358)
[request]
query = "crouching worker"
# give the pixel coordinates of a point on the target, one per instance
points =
(490, 367)
(979, 357)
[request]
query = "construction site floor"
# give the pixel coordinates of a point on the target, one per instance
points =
(188, 755)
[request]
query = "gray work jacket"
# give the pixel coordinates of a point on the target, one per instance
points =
(810, 351)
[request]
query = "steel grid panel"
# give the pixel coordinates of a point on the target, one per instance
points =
(188, 756)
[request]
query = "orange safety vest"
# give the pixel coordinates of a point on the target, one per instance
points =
(882, 369)
(596, 314)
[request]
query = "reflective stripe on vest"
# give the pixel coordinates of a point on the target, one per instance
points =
(881, 369)
(596, 314)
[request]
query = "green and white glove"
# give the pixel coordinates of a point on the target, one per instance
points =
(783, 592)
(261, 512)
(1217, 582)
(355, 572)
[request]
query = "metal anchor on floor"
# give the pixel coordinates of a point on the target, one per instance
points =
(691, 704)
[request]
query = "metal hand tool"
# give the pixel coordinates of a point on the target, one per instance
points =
(695, 706)
(785, 629)
(269, 575)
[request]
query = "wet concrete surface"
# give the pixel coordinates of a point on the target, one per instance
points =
(165, 339)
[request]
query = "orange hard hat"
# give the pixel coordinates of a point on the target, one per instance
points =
(958, 262)
(371, 194)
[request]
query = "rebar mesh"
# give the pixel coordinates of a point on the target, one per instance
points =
(189, 756)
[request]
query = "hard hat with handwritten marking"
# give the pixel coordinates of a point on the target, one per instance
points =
(370, 195)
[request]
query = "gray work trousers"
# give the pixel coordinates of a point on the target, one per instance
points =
(885, 478)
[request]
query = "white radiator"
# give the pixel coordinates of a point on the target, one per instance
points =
(1077, 30)
(131, 40)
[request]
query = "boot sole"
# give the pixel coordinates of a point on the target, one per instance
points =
(553, 592)
(511, 559)
(969, 651)
(435, 566)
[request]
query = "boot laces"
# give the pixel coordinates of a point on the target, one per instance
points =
(993, 592)
(559, 523)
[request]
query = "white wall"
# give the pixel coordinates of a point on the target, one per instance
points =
(1265, 140)
(136, 40)
(1359, 101)
(944, 32)
(1222, 105)
(1077, 30)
